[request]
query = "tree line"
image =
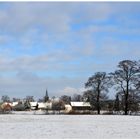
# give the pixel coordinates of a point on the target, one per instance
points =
(125, 81)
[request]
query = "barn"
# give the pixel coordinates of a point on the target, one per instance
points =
(33, 105)
(80, 105)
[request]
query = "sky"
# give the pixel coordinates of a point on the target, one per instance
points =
(58, 45)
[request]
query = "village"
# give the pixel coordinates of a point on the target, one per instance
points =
(77, 104)
(46, 106)
(52, 106)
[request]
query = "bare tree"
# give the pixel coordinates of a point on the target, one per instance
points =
(58, 105)
(90, 96)
(40, 100)
(133, 101)
(99, 84)
(5, 98)
(117, 103)
(77, 97)
(29, 98)
(126, 78)
(16, 99)
(66, 99)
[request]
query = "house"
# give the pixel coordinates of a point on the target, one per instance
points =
(6, 106)
(40, 105)
(49, 105)
(33, 105)
(80, 105)
(14, 104)
(68, 108)
(77, 107)
(46, 105)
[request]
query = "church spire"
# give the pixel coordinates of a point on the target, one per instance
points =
(46, 98)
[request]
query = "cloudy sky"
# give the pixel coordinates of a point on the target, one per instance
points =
(58, 45)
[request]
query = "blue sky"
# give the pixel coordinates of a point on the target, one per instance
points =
(58, 45)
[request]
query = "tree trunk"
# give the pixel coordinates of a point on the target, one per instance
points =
(126, 99)
(98, 101)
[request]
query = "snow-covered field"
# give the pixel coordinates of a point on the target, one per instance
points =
(69, 126)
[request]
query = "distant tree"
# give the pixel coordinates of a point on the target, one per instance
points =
(137, 82)
(40, 100)
(66, 99)
(27, 105)
(58, 105)
(53, 98)
(126, 78)
(5, 98)
(90, 96)
(29, 98)
(16, 100)
(19, 107)
(46, 98)
(133, 101)
(109, 105)
(77, 97)
(117, 103)
(99, 84)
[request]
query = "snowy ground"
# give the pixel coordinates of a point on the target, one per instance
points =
(69, 126)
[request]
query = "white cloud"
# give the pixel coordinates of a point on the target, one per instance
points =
(70, 91)
(63, 40)
(28, 83)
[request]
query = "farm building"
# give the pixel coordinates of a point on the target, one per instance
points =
(46, 105)
(80, 105)
(14, 104)
(33, 105)
(41, 105)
